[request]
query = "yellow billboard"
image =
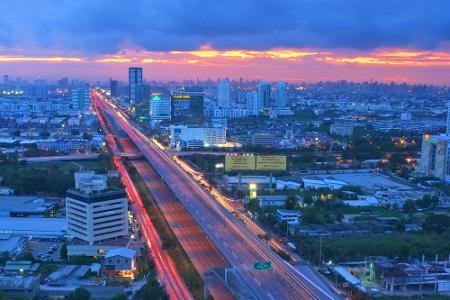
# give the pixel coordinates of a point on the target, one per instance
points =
(239, 162)
(271, 163)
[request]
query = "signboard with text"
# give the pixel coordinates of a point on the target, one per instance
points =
(271, 163)
(239, 162)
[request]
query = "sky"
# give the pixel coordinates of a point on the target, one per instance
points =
(290, 40)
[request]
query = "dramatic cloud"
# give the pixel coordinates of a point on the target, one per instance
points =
(108, 26)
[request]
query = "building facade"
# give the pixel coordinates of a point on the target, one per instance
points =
(96, 217)
(434, 159)
(196, 137)
(81, 99)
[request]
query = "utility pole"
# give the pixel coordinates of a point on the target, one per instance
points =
(320, 251)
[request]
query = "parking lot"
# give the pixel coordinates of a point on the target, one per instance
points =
(46, 250)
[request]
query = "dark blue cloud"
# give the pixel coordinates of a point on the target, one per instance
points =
(106, 26)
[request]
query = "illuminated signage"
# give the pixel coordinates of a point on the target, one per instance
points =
(239, 162)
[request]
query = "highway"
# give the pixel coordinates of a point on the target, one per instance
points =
(203, 255)
(174, 285)
(238, 243)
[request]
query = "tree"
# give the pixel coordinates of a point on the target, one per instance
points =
(409, 207)
(436, 223)
(27, 255)
(79, 294)
(291, 203)
(119, 297)
(63, 252)
(151, 290)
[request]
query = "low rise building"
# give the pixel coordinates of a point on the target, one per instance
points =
(319, 183)
(13, 286)
(182, 136)
(120, 263)
(342, 129)
(292, 217)
(272, 200)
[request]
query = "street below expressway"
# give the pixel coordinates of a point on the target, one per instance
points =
(233, 239)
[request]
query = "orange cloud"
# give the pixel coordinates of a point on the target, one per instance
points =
(394, 58)
(39, 59)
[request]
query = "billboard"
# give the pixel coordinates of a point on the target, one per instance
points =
(239, 162)
(271, 163)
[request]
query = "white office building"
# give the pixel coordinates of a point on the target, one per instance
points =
(159, 108)
(223, 93)
(196, 137)
(292, 217)
(95, 216)
(81, 100)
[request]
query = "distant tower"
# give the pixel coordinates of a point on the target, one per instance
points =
(114, 85)
(447, 130)
(281, 94)
(223, 93)
(264, 94)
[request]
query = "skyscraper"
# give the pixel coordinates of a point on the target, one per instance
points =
(264, 94)
(5, 79)
(114, 86)
(281, 94)
(223, 93)
(253, 104)
(136, 92)
(135, 83)
(40, 87)
(81, 100)
(447, 129)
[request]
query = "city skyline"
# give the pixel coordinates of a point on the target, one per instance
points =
(291, 41)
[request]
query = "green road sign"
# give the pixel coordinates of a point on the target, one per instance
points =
(262, 265)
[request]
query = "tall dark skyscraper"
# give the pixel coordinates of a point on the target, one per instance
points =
(135, 83)
(136, 93)
(114, 86)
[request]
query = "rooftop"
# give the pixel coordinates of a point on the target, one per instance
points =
(123, 252)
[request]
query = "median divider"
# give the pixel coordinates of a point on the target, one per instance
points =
(184, 266)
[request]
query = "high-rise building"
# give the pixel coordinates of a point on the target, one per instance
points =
(5, 79)
(63, 83)
(281, 94)
(81, 99)
(435, 156)
(447, 129)
(264, 94)
(114, 88)
(40, 87)
(159, 108)
(94, 213)
(253, 103)
(187, 107)
(135, 85)
(223, 93)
